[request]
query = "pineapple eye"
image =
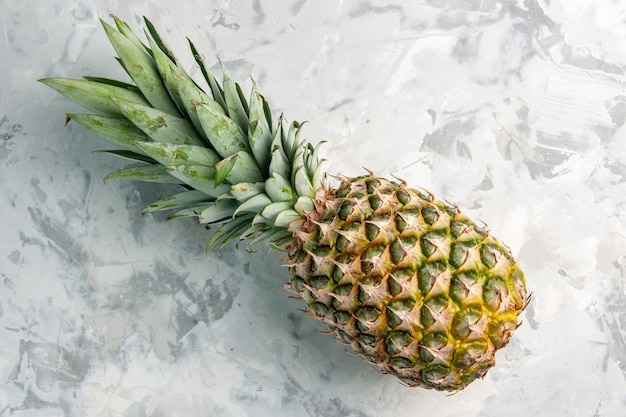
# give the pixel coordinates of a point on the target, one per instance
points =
(397, 253)
(434, 373)
(344, 337)
(372, 231)
(345, 210)
(457, 228)
(342, 317)
(397, 340)
(403, 196)
(298, 283)
(375, 202)
(464, 355)
(460, 286)
(459, 253)
(500, 331)
(342, 243)
(488, 255)
(319, 282)
(403, 305)
(428, 274)
(367, 339)
(432, 309)
(394, 287)
(492, 293)
(409, 240)
(372, 185)
(343, 289)
(432, 342)
(367, 314)
(430, 214)
(402, 363)
(400, 223)
(319, 309)
(393, 320)
(427, 247)
(464, 320)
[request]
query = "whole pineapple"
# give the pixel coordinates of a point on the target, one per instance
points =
(410, 283)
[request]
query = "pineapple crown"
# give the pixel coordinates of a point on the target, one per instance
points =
(241, 170)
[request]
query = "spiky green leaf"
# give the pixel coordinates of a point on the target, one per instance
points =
(160, 126)
(130, 155)
(148, 173)
(225, 135)
(259, 131)
(116, 130)
(216, 90)
(254, 204)
(199, 177)
(229, 231)
(172, 154)
(95, 96)
(244, 191)
(235, 102)
(128, 33)
(176, 201)
(219, 211)
(278, 188)
(240, 167)
(142, 69)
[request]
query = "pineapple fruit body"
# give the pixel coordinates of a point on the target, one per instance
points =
(411, 284)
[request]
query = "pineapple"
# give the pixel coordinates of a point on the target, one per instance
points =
(411, 284)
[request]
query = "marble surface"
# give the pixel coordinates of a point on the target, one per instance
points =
(515, 110)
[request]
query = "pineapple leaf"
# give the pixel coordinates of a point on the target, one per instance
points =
(133, 156)
(278, 188)
(162, 46)
(304, 204)
(160, 126)
(191, 96)
(303, 184)
(218, 211)
(223, 133)
(285, 218)
(125, 30)
(254, 204)
(142, 69)
(171, 154)
(176, 201)
(259, 131)
(229, 231)
(116, 130)
(115, 83)
(148, 173)
(236, 104)
(199, 177)
(290, 140)
(279, 163)
(271, 212)
(216, 90)
(240, 167)
(244, 191)
(189, 212)
(168, 72)
(95, 96)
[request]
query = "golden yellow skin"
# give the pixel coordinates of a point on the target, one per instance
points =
(409, 282)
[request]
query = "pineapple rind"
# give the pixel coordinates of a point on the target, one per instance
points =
(409, 282)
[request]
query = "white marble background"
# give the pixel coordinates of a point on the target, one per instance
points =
(515, 110)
